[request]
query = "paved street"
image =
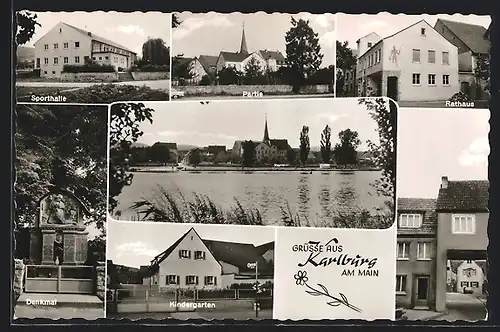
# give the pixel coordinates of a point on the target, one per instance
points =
(436, 104)
(330, 95)
(153, 84)
(58, 312)
(222, 314)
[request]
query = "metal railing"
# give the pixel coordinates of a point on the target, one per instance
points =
(59, 279)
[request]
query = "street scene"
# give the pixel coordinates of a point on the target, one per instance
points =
(442, 235)
(161, 270)
(234, 61)
(93, 57)
(326, 167)
(426, 61)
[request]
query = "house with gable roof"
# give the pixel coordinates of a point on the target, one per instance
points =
(472, 41)
(195, 263)
(65, 44)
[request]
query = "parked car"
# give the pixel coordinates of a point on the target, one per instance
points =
(174, 94)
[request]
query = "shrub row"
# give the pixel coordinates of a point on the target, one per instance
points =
(151, 68)
(88, 68)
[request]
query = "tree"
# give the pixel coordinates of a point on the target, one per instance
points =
(305, 146)
(482, 70)
(253, 72)
(303, 51)
(159, 152)
(345, 151)
(291, 156)
(60, 148)
(229, 75)
(175, 20)
(195, 157)
(26, 25)
(345, 61)
(249, 155)
(384, 113)
(125, 122)
(182, 68)
(155, 52)
(326, 144)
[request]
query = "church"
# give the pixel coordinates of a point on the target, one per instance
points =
(267, 151)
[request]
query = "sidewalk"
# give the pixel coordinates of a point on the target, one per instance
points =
(411, 314)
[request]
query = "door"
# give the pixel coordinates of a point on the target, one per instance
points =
(392, 87)
(37, 63)
(422, 291)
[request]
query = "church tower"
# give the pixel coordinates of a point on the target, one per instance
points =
(243, 46)
(266, 133)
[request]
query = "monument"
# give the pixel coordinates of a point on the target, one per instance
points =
(59, 235)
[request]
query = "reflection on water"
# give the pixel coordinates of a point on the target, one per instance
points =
(314, 196)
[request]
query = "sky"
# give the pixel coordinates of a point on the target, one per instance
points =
(211, 33)
(223, 122)
(353, 27)
(127, 29)
(136, 243)
(440, 142)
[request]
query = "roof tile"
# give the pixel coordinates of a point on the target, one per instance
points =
(464, 196)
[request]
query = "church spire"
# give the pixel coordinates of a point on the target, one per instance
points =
(266, 133)
(243, 46)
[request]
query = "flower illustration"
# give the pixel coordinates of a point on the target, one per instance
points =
(301, 277)
(333, 301)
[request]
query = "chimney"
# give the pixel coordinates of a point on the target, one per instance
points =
(444, 182)
(89, 33)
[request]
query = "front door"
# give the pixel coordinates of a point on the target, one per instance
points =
(422, 291)
(392, 87)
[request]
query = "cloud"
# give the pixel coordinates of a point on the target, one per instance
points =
(476, 154)
(191, 24)
(135, 248)
(330, 117)
(326, 21)
(169, 133)
(327, 40)
(130, 30)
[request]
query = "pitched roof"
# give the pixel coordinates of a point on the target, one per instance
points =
(263, 248)
(281, 144)
(454, 265)
(99, 38)
(234, 56)
(472, 35)
(214, 149)
(179, 60)
(425, 206)
(272, 55)
(208, 62)
(464, 196)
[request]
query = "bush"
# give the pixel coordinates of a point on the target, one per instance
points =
(151, 68)
(205, 80)
(88, 68)
(35, 73)
(216, 294)
(459, 97)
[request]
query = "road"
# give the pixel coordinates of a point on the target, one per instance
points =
(153, 84)
(205, 98)
(464, 307)
(58, 312)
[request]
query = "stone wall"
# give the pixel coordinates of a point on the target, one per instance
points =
(150, 76)
(237, 90)
(101, 280)
(18, 277)
(89, 77)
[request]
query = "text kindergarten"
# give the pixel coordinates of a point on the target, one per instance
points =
(331, 252)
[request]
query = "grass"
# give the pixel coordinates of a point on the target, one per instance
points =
(24, 92)
(164, 206)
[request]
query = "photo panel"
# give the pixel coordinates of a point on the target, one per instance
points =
(92, 57)
(442, 236)
(334, 274)
(60, 213)
(300, 163)
(189, 271)
(425, 61)
(259, 55)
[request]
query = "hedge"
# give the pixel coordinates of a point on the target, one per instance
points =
(88, 68)
(151, 68)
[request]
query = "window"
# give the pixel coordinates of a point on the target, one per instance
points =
(45, 72)
(432, 56)
(185, 254)
(347, 75)
(431, 79)
(416, 56)
(422, 31)
(106, 58)
(464, 224)
(379, 55)
(376, 57)
(56, 46)
(93, 58)
(469, 272)
(53, 72)
(372, 56)
(191, 280)
(199, 255)
(401, 283)
(464, 284)
(77, 59)
(37, 63)
(77, 44)
(45, 61)
(66, 60)
(210, 281)
(474, 284)
(60, 30)
(446, 79)
(416, 79)
(446, 58)
(369, 44)
(172, 280)
(403, 250)
(424, 250)
(411, 220)
(100, 58)
(56, 61)
(46, 46)
(65, 45)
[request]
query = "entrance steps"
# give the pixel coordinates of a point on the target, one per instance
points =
(45, 300)
(125, 76)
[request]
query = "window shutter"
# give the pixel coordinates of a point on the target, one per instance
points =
(166, 280)
(187, 280)
(197, 280)
(177, 280)
(215, 281)
(180, 253)
(205, 280)
(204, 254)
(189, 254)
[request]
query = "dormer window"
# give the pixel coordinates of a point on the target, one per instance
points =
(410, 220)
(60, 30)
(422, 31)
(369, 45)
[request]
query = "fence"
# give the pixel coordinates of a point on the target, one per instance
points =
(60, 279)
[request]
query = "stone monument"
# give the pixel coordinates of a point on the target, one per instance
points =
(59, 235)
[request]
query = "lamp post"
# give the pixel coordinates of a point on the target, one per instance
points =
(255, 266)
